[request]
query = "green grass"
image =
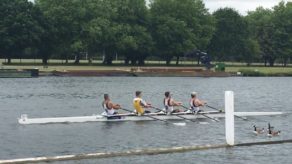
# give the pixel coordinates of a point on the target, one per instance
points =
(255, 70)
(266, 70)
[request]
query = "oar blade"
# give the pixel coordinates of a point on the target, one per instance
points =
(204, 123)
(180, 124)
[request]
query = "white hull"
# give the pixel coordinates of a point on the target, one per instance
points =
(126, 117)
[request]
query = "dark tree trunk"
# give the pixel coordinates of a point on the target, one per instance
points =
(109, 53)
(127, 60)
(177, 60)
(77, 58)
(198, 60)
(8, 60)
(45, 61)
(271, 62)
(141, 62)
(133, 61)
(109, 61)
(285, 61)
(168, 62)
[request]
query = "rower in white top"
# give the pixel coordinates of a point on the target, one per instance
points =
(109, 107)
(196, 103)
(169, 104)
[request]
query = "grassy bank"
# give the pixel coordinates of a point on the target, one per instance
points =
(261, 71)
(232, 67)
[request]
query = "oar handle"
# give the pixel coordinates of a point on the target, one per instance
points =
(203, 114)
(174, 115)
(156, 108)
(184, 106)
(146, 115)
(127, 110)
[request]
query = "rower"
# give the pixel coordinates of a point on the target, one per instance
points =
(196, 103)
(139, 104)
(169, 104)
(109, 107)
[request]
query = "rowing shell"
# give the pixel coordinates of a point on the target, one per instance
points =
(132, 117)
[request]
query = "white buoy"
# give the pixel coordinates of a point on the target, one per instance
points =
(229, 117)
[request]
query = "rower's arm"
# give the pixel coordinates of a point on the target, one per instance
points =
(144, 104)
(116, 106)
(175, 103)
(200, 103)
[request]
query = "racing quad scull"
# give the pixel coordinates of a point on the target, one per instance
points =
(133, 117)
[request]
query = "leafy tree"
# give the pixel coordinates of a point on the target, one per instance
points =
(19, 28)
(65, 17)
(134, 39)
(262, 29)
(251, 51)
(180, 26)
(282, 40)
(102, 29)
(230, 37)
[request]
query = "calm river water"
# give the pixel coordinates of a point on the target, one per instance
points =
(77, 96)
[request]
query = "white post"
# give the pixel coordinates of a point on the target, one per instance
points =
(229, 117)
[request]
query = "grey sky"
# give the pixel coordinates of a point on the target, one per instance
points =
(240, 5)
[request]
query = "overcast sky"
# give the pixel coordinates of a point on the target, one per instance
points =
(240, 5)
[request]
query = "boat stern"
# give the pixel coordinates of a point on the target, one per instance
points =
(22, 119)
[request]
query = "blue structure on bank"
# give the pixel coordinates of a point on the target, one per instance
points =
(201, 56)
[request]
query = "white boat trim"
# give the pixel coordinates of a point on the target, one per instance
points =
(132, 117)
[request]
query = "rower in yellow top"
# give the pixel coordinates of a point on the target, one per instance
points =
(109, 107)
(169, 104)
(139, 104)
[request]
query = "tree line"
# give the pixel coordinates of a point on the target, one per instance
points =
(166, 29)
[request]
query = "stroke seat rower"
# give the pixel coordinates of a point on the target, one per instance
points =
(110, 108)
(196, 103)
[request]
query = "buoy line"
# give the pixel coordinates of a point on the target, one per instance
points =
(149, 151)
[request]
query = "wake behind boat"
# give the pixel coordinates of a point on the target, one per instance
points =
(133, 117)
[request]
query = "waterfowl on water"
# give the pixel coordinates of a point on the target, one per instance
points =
(258, 130)
(272, 133)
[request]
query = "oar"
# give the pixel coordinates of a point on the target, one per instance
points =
(220, 110)
(203, 114)
(178, 124)
(146, 115)
(174, 114)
